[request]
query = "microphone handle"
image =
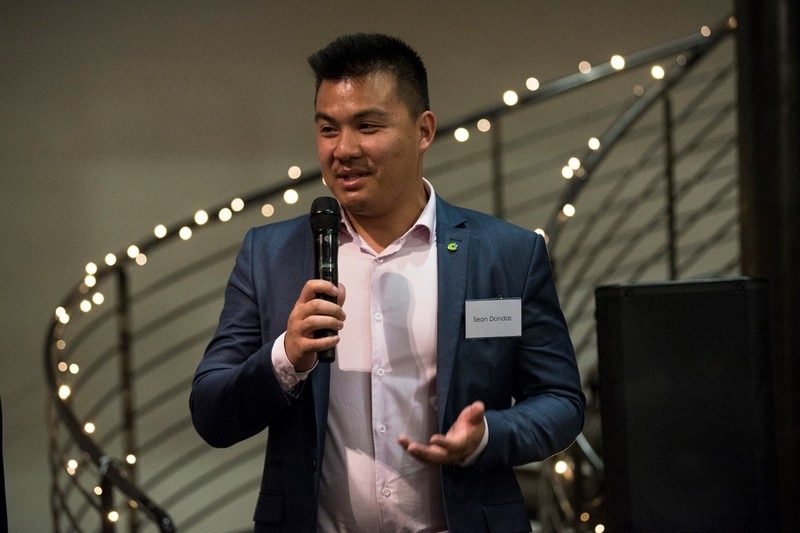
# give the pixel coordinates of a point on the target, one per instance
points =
(327, 249)
(329, 355)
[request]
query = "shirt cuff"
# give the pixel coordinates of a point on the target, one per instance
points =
(471, 458)
(287, 376)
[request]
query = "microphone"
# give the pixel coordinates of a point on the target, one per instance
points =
(325, 219)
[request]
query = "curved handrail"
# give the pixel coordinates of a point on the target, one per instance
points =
(592, 158)
(108, 467)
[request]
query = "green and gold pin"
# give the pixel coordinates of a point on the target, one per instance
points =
(452, 246)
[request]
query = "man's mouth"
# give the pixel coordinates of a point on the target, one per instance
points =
(351, 176)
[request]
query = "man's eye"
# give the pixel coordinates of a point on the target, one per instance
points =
(327, 131)
(369, 128)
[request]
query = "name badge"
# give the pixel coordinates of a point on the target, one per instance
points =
(494, 318)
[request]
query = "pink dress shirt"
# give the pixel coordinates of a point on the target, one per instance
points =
(383, 384)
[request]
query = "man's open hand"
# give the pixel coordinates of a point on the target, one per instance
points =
(461, 439)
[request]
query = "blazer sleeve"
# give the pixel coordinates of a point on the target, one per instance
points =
(235, 392)
(547, 413)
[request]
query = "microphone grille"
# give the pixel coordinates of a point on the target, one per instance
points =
(325, 215)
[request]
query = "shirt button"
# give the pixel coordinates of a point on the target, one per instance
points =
(382, 429)
(380, 260)
(378, 316)
(386, 492)
(380, 372)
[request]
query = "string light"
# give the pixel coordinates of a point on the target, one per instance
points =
(510, 98)
(64, 392)
(584, 67)
(62, 315)
(185, 233)
(484, 125)
(225, 214)
(133, 251)
(290, 196)
(617, 62)
(201, 217)
(91, 269)
(294, 172)
(111, 259)
(657, 72)
(160, 231)
(237, 204)
(461, 135)
(89, 428)
(532, 84)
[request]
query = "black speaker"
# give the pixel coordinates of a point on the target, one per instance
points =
(686, 406)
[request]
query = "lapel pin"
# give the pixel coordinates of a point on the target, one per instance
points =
(452, 246)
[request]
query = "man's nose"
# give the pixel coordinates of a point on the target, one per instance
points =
(349, 146)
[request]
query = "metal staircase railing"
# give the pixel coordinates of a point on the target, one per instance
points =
(655, 198)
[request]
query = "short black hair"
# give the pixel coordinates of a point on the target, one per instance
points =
(359, 54)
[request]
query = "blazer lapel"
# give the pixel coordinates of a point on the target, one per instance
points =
(452, 249)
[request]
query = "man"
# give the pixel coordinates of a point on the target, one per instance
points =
(453, 360)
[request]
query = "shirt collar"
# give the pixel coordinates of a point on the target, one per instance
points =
(426, 221)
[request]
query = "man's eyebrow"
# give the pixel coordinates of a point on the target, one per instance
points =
(371, 112)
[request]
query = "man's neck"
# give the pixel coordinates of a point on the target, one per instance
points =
(380, 232)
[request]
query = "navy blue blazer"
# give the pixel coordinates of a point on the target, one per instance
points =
(529, 384)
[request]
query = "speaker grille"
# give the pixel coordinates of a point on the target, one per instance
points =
(686, 406)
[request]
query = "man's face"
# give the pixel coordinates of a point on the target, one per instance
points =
(369, 146)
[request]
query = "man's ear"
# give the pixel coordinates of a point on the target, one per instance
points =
(427, 129)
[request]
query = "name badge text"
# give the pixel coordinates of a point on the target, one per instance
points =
(493, 318)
